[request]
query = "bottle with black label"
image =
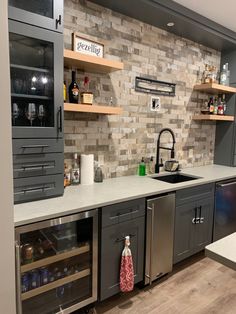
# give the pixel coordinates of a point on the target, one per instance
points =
(73, 90)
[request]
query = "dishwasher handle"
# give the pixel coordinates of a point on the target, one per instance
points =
(150, 212)
(222, 185)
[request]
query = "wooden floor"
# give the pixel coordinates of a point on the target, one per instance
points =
(200, 287)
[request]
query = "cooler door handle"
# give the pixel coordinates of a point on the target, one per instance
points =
(18, 279)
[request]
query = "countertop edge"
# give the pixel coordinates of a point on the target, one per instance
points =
(167, 189)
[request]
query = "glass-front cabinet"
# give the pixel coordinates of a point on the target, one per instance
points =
(44, 13)
(36, 65)
(57, 264)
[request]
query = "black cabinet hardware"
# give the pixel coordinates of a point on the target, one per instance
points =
(123, 238)
(59, 122)
(58, 21)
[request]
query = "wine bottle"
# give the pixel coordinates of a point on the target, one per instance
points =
(73, 90)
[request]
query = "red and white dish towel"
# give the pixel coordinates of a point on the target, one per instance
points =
(126, 268)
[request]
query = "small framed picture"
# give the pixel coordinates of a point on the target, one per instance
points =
(83, 44)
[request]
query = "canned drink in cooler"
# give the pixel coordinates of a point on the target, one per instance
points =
(35, 279)
(28, 253)
(25, 282)
(44, 276)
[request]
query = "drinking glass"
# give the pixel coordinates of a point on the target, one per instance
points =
(31, 112)
(15, 112)
(41, 114)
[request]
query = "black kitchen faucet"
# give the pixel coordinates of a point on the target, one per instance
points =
(172, 153)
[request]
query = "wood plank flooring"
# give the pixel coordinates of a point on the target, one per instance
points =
(200, 286)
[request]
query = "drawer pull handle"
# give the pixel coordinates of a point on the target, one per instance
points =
(35, 167)
(122, 215)
(123, 238)
(34, 190)
(34, 146)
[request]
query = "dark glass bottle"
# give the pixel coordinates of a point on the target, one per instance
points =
(73, 90)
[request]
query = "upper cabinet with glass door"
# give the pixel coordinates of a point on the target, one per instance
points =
(36, 64)
(43, 13)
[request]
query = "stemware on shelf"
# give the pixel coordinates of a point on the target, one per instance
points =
(15, 112)
(41, 114)
(31, 112)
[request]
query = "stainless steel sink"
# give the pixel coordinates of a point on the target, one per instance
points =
(175, 178)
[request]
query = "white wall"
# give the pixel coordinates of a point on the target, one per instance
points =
(7, 264)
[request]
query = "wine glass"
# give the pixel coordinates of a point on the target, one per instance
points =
(41, 114)
(15, 112)
(31, 112)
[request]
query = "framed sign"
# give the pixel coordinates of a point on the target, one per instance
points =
(155, 87)
(86, 46)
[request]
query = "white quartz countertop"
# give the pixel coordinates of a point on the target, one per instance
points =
(223, 251)
(80, 198)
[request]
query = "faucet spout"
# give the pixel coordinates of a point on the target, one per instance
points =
(158, 164)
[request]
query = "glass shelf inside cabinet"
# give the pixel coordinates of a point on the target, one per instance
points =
(32, 81)
(54, 262)
(42, 7)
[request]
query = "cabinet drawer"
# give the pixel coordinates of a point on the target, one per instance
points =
(37, 146)
(194, 193)
(36, 188)
(117, 213)
(37, 165)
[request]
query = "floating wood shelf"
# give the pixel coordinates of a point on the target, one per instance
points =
(212, 117)
(55, 284)
(90, 63)
(213, 88)
(92, 109)
(55, 258)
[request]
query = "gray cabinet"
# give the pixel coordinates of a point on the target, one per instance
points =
(225, 148)
(193, 220)
(118, 221)
(44, 13)
(36, 68)
(36, 61)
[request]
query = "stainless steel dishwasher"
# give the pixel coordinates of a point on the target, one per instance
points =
(159, 236)
(225, 209)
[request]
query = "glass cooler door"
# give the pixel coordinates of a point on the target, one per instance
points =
(56, 264)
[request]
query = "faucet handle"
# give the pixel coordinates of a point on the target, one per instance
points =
(161, 163)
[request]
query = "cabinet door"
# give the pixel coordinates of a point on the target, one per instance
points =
(184, 235)
(204, 224)
(112, 244)
(44, 13)
(36, 61)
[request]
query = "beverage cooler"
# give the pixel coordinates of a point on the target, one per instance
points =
(56, 264)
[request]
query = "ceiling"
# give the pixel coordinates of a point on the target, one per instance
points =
(222, 12)
(187, 21)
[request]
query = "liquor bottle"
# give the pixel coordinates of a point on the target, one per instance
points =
(73, 90)
(75, 173)
(220, 107)
(224, 75)
(86, 96)
(211, 105)
(64, 91)
(224, 102)
(215, 106)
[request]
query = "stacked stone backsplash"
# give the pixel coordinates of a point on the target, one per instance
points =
(119, 142)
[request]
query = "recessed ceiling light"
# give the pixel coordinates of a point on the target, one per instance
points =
(170, 24)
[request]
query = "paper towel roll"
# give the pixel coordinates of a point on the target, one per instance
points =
(87, 169)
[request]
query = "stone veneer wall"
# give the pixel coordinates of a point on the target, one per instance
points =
(119, 142)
